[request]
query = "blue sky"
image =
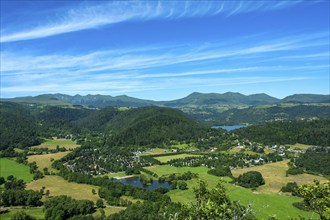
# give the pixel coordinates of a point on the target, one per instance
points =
(164, 50)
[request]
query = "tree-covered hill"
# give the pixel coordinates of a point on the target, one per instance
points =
(306, 132)
(18, 127)
(261, 114)
(152, 125)
(229, 98)
(307, 98)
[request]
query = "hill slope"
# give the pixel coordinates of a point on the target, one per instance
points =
(151, 125)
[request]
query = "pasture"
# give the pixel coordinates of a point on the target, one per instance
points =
(59, 186)
(263, 204)
(46, 160)
(166, 158)
(11, 167)
(275, 176)
(36, 212)
(61, 142)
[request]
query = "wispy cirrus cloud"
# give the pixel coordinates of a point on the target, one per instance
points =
(96, 15)
(154, 68)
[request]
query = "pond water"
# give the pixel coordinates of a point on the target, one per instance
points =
(135, 181)
(230, 127)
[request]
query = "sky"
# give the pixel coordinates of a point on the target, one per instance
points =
(164, 50)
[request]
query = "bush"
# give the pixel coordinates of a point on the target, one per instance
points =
(295, 170)
(251, 179)
(290, 187)
(221, 171)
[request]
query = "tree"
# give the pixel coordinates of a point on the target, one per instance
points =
(99, 203)
(2, 180)
(214, 204)
(182, 185)
(317, 198)
(251, 179)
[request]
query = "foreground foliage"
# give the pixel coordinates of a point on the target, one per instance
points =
(317, 198)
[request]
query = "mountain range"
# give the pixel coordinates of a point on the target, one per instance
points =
(213, 108)
(229, 99)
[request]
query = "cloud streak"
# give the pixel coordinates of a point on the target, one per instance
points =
(86, 16)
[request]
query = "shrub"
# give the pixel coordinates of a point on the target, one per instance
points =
(251, 179)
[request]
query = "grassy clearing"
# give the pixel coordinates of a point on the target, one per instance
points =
(45, 160)
(264, 205)
(164, 159)
(108, 211)
(35, 212)
(275, 176)
(187, 147)
(59, 186)
(115, 175)
(241, 150)
(11, 167)
(156, 151)
(299, 146)
(61, 142)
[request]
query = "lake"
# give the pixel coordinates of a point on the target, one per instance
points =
(135, 181)
(230, 127)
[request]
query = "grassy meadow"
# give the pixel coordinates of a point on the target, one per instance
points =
(59, 186)
(45, 160)
(36, 212)
(275, 176)
(263, 204)
(61, 142)
(164, 159)
(11, 167)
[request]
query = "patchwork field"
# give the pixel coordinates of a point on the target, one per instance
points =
(45, 160)
(61, 142)
(264, 205)
(11, 167)
(164, 159)
(59, 186)
(275, 176)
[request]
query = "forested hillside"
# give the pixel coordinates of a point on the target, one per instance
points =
(306, 132)
(19, 128)
(261, 114)
(152, 125)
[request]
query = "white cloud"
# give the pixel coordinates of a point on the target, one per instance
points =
(86, 16)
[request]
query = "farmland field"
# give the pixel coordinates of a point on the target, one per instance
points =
(275, 176)
(265, 205)
(11, 167)
(164, 159)
(45, 160)
(61, 142)
(59, 186)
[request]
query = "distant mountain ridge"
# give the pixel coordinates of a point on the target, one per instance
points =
(194, 99)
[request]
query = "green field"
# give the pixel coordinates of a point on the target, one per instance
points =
(35, 212)
(275, 176)
(157, 151)
(61, 142)
(263, 204)
(164, 159)
(59, 186)
(11, 167)
(45, 160)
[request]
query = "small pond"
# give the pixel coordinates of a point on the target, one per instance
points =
(135, 181)
(230, 127)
